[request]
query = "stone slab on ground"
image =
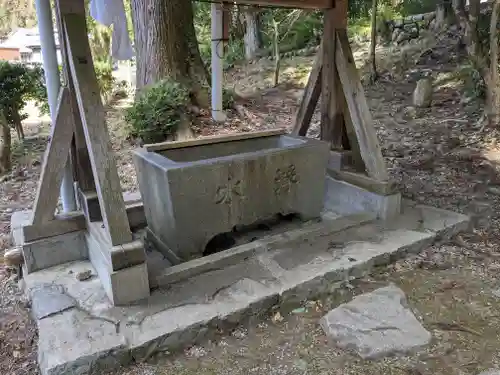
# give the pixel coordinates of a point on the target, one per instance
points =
(95, 335)
(376, 325)
(50, 300)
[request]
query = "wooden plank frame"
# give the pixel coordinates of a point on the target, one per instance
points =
(92, 133)
(213, 139)
(346, 121)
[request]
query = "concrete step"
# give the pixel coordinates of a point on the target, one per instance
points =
(80, 331)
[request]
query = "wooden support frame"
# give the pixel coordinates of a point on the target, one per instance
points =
(91, 132)
(346, 121)
(95, 129)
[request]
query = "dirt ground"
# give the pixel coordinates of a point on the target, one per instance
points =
(437, 156)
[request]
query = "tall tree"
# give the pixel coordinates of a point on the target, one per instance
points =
(493, 99)
(166, 46)
(444, 13)
(486, 62)
(5, 148)
(373, 45)
(253, 38)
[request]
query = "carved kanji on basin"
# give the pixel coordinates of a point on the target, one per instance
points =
(285, 178)
(226, 192)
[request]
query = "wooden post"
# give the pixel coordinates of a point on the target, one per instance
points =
(79, 152)
(91, 110)
(332, 121)
(310, 97)
(54, 162)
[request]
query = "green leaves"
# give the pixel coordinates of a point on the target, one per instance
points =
(19, 83)
(158, 110)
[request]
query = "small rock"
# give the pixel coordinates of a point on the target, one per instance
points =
(490, 372)
(496, 293)
(376, 325)
(422, 96)
(240, 333)
(84, 275)
(480, 213)
(277, 318)
(494, 190)
(196, 352)
(410, 112)
(300, 364)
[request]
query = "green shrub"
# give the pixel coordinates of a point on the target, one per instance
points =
(104, 75)
(19, 83)
(157, 111)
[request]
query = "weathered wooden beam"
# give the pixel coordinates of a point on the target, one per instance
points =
(212, 139)
(356, 159)
(365, 182)
(310, 97)
(54, 161)
(340, 14)
(95, 129)
(60, 224)
(304, 4)
(358, 110)
(332, 122)
(79, 153)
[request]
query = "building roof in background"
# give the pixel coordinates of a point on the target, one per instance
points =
(25, 38)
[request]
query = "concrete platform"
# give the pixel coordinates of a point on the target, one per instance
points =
(80, 332)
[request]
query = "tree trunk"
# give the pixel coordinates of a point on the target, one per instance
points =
(5, 145)
(18, 125)
(253, 40)
(166, 46)
(493, 93)
(277, 57)
(444, 14)
(468, 24)
(373, 45)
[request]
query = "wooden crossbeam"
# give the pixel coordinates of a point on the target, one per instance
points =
(359, 111)
(95, 130)
(55, 159)
(303, 4)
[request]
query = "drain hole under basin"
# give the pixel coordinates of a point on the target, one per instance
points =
(242, 234)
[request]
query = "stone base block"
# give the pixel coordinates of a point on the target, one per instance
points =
(81, 332)
(46, 252)
(122, 269)
(345, 198)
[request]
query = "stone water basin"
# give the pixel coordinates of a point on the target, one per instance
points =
(195, 190)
